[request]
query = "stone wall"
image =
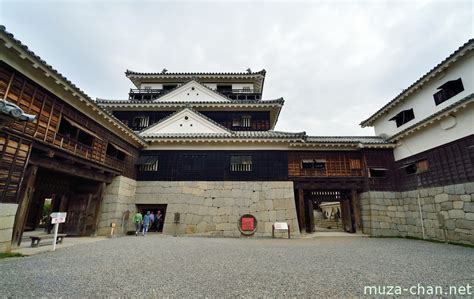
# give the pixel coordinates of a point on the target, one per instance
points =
(214, 208)
(119, 197)
(7, 219)
(447, 213)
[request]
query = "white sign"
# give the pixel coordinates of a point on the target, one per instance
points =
(281, 225)
(58, 217)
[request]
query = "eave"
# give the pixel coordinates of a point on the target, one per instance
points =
(139, 77)
(430, 120)
(430, 75)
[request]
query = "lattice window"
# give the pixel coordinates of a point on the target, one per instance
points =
(141, 121)
(147, 163)
(354, 164)
(241, 163)
(246, 121)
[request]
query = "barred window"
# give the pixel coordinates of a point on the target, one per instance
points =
(140, 121)
(147, 163)
(246, 121)
(240, 163)
(355, 164)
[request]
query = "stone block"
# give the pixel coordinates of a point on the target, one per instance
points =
(465, 224)
(469, 187)
(443, 197)
(456, 214)
(470, 216)
(435, 191)
(459, 189)
(447, 206)
(468, 207)
(465, 198)
(450, 224)
(458, 204)
(190, 229)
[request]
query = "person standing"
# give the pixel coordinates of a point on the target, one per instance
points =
(159, 220)
(146, 222)
(152, 221)
(138, 220)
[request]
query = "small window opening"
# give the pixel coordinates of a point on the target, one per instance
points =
(140, 122)
(377, 172)
(147, 163)
(169, 86)
(318, 164)
(241, 163)
(403, 117)
(448, 90)
(417, 167)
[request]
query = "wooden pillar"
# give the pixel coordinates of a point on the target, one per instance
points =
(301, 209)
(356, 210)
(310, 212)
(98, 208)
(25, 196)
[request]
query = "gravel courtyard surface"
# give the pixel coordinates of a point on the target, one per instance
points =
(159, 266)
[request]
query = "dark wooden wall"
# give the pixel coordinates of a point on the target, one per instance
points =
(338, 164)
(14, 153)
(44, 132)
(215, 166)
(34, 99)
(260, 120)
(449, 164)
(153, 117)
(379, 158)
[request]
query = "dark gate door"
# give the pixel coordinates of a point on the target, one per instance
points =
(76, 215)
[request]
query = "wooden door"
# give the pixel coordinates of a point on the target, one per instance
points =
(346, 215)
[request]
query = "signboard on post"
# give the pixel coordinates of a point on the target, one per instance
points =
(56, 218)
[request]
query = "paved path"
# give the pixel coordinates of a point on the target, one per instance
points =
(158, 266)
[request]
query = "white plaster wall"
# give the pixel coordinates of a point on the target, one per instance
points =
(434, 135)
(422, 100)
(7, 219)
(242, 85)
(211, 85)
(151, 85)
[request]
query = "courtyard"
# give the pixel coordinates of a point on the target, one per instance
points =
(158, 266)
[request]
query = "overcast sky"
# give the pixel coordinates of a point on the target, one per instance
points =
(334, 62)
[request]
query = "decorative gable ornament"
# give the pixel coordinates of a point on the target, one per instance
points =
(186, 121)
(193, 91)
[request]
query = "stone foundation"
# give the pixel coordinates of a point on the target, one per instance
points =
(214, 208)
(119, 197)
(7, 219)
(447, 213)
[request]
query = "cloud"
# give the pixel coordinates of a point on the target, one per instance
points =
(335, 63)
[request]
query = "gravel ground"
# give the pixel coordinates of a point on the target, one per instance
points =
(165, 266)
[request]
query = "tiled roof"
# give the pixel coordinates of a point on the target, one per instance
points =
(72, 85)
(234, 135)
(469, 45)
(133, 73)
(279, 101)
(347, 139)
(466, 100)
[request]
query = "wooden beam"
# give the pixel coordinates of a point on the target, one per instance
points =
(98, 208)
(70, 169)
(26, 194)
(301, 209)
(356, 210)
